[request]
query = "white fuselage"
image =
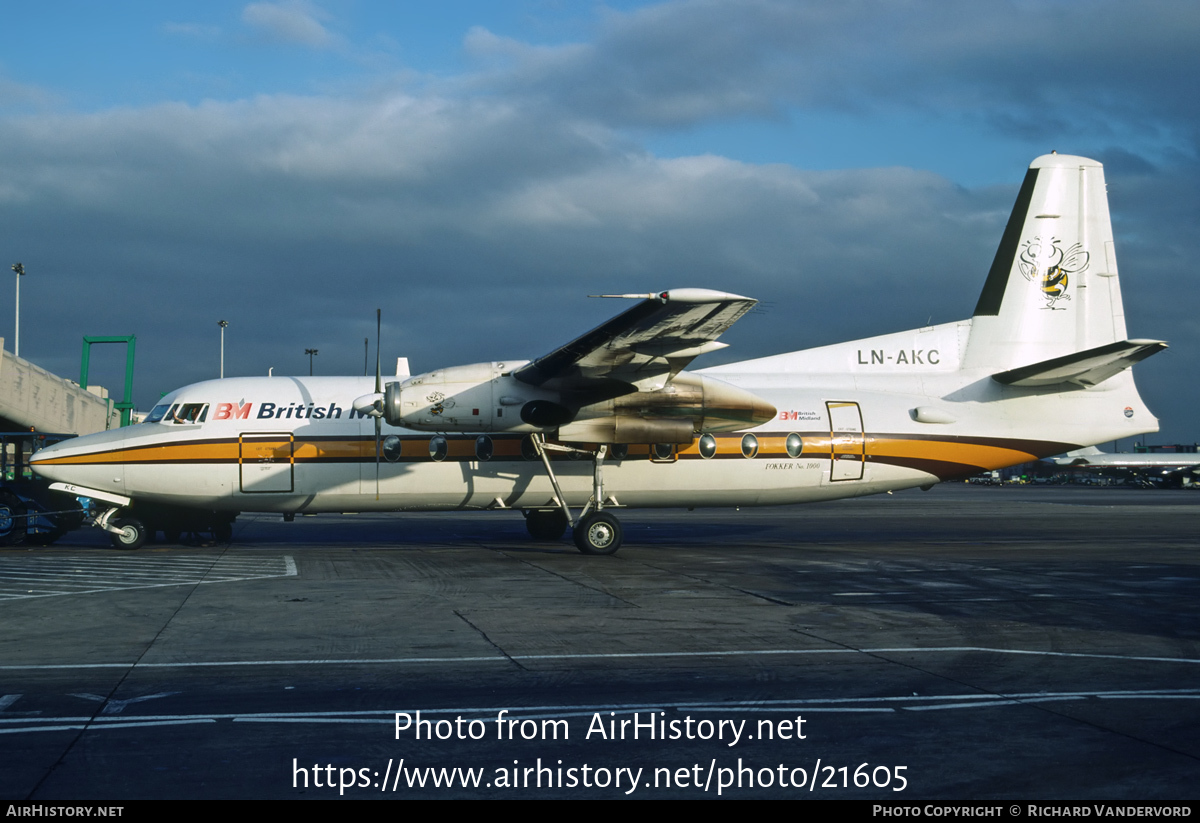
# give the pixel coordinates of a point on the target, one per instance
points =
(865, 425)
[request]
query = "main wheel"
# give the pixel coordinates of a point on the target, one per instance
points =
(546, 525)
(131, 534)
(598, 533)
(13, 526)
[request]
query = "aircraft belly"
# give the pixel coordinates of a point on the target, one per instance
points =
(473, 485)
(770, 478)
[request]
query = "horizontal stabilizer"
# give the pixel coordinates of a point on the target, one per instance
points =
(1085, 368)
(1086, 451)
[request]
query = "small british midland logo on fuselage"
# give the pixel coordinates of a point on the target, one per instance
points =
(1045, 263)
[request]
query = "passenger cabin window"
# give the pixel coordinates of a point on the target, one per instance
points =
(484, 448)
(795, 445)
(439, 447)
(749, 445)
(391, 448)
(528, 449)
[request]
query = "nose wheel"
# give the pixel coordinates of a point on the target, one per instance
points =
(128, 533)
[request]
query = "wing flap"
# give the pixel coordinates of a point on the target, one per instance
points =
(656, 338)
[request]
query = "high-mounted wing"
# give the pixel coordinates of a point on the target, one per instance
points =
(619, 383)
(644, 346)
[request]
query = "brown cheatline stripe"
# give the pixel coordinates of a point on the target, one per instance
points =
(941, 469)
(946, 457)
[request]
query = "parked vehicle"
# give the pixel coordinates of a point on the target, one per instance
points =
(30, 513)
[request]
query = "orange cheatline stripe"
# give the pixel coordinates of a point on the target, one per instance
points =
(222, 451)
(969, 454)
(181, 451)
(332, 449)
(417, 448)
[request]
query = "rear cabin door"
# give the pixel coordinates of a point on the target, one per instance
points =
(266, 462)
(847, 442)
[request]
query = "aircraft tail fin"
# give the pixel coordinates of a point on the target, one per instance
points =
(1051, 311)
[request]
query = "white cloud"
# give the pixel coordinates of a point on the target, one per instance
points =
(199, 31)
(17, 95)
(292, 21)
(259, 200)
(1045, 69)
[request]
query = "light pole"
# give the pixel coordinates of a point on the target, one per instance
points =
(20, 270)
(310, 353)
(222, 324)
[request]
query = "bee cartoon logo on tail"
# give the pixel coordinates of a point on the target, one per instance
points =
(1044, 262)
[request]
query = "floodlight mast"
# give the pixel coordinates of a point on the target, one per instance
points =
(222, 324)
(20, 270)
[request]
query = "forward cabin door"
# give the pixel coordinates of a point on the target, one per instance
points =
(266, 461)
(847, 441)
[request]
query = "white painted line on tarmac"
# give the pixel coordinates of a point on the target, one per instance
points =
(892, 704)
(986, 703)
(58, 577)
(400, 661)
(127, 724)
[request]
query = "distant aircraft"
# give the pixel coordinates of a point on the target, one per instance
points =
(1161, 465)
(612, 420)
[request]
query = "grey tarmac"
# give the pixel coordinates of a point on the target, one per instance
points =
(997, 643)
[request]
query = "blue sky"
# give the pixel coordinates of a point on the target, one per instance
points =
(466, 166)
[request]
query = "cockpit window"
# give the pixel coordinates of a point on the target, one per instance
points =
(157, 413)
(187, 413)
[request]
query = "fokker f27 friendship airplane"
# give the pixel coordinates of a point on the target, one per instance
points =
(1040, 369)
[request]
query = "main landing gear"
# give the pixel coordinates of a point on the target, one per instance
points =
(595, 531)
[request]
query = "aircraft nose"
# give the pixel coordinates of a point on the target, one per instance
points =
(92, 461)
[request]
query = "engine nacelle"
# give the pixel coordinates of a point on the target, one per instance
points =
(628, 429)
(480, 397)
(689, 404)
(484, 397)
